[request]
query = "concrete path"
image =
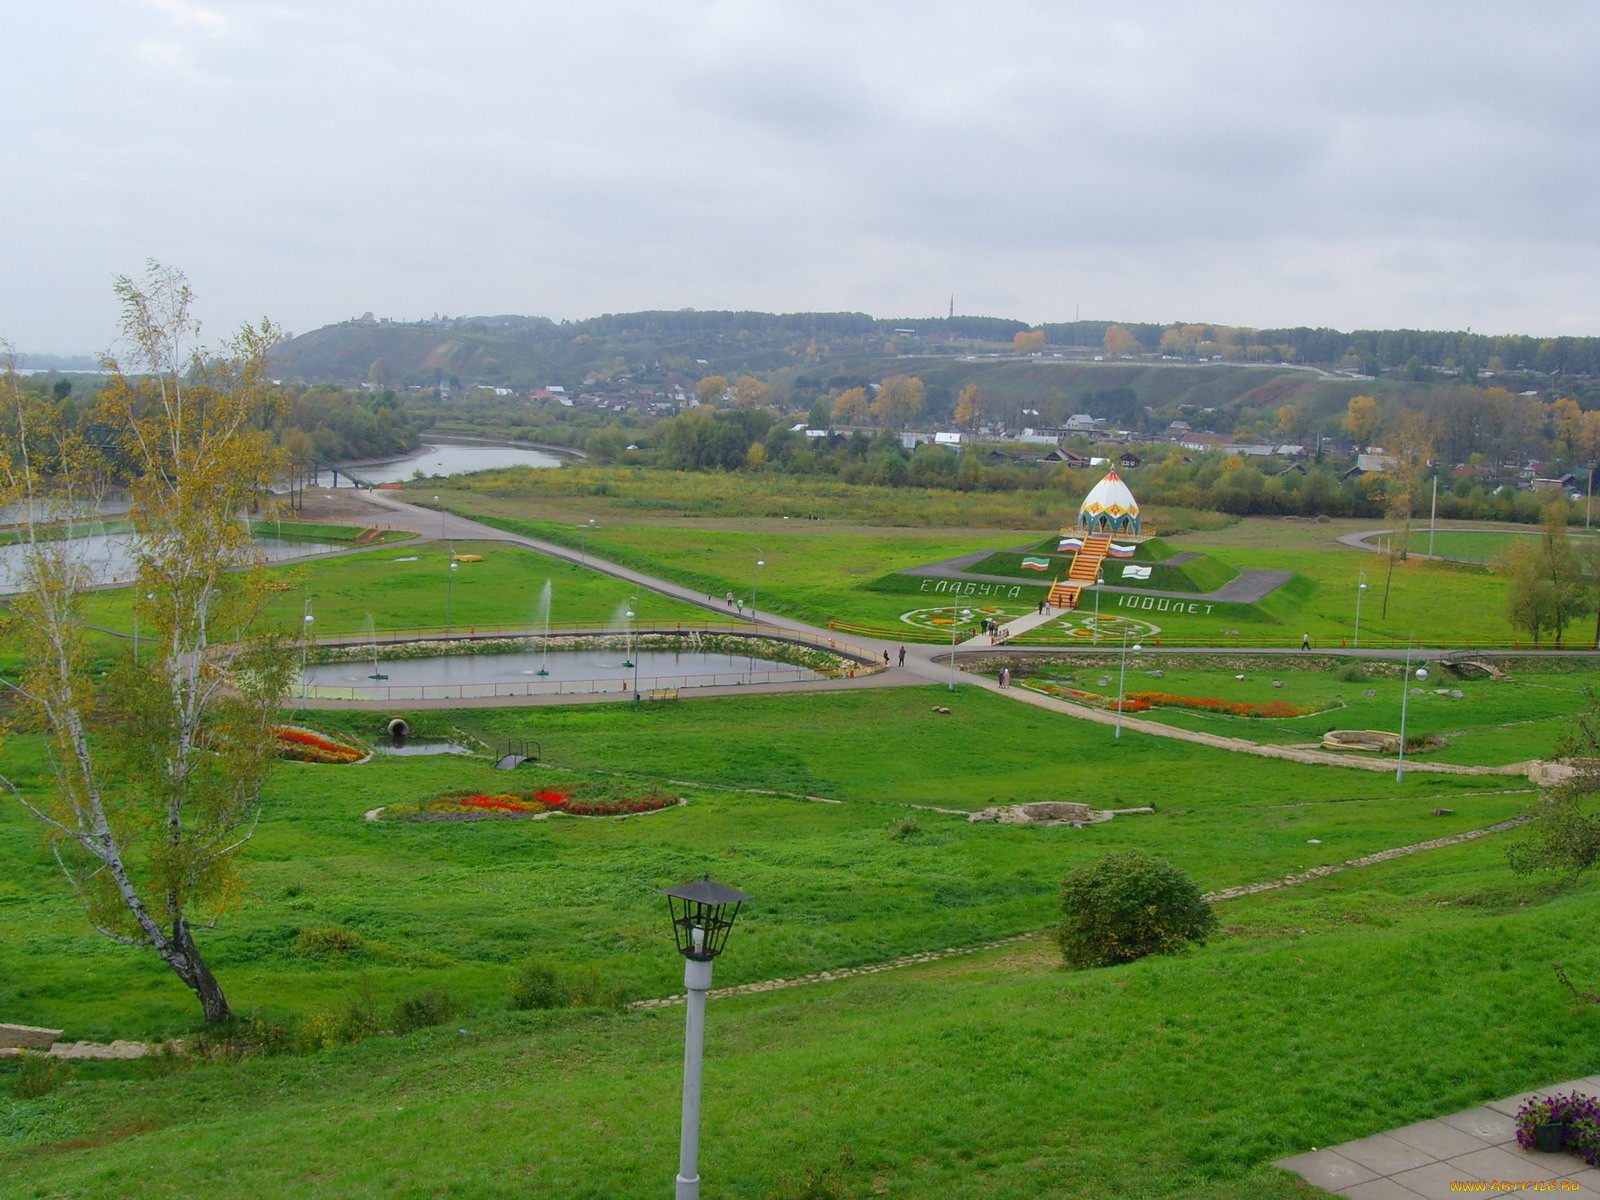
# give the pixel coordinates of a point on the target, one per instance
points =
(1432, 1160)
(1011, 629)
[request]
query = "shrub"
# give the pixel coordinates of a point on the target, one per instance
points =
(1128, 905)
(905, 827)
(1352, 672)
(356, 1019)
(541, 984)
(588, 988)
(241, 1039)
(422, 1009)
(538, 984)
(39, 1075)
(333, 939)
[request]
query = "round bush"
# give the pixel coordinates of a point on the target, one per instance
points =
(1128, 905)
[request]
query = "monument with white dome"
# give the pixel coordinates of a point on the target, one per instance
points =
(1109, 509)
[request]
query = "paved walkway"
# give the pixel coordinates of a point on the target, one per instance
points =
(1011, 629)
(1431, 1160)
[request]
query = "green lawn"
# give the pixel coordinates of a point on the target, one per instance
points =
(1337, 1010)
(457, 905)
(404, 587)
(1492, 722)
(821, 573)
(1478, 545)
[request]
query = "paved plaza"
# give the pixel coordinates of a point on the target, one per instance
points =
(1432, 1160)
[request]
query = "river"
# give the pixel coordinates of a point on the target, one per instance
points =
(445, 458)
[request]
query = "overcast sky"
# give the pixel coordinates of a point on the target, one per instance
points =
(1359, 164)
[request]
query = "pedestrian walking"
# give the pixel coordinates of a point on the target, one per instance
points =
(1005, 677)
(1305, 641)
(886, 658)
(902, 661)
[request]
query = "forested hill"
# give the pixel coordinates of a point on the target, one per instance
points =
(523, 352)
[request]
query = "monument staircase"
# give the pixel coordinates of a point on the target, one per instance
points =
(1084, 571)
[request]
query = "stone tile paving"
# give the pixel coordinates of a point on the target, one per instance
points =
(1463, 1153)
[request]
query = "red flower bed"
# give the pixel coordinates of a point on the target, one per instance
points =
(549, 800)
(1234, 708)
(307, 745)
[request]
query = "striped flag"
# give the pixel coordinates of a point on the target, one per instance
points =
(1036, 564)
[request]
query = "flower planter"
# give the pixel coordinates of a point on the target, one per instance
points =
(1550, 1137)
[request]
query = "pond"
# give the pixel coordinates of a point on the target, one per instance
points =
(409, 746)
(109, 560)
(445, 458)
(569, 672)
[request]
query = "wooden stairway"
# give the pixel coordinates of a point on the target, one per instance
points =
(1086, 562)
(1085, 570)
(1065, 595)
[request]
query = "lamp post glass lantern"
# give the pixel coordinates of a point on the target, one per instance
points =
(702, 915)
(633, 654)
(304, 641)
(1122, 680)
(1405, 695)
(1360, 587)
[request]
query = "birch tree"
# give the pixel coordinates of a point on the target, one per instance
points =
(159, 766)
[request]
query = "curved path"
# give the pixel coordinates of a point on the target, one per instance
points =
(923, 663)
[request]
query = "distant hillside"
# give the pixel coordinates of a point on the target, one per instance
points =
(1201, 366)
(407, 354)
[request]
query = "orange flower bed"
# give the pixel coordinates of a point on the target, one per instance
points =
(462, 804)
(306, 745)
(1233, 708)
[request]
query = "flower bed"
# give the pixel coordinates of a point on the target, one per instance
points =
(307, 745)
(1234, 708)
(576, 799)
(1129, 702)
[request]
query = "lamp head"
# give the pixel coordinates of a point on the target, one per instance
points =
(702, 914)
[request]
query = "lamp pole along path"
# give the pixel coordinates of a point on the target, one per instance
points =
(702, 914)
(1405, 695)
(1360, 587)
(1122, 680)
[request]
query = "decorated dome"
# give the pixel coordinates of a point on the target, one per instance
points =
(1109, 508)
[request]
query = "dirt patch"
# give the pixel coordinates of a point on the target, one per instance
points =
(335, 506)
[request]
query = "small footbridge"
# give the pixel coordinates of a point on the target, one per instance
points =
(512, 753)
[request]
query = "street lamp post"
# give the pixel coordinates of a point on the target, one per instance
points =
(1122, 680)
(1405, 694)
(305, 620)
(449, 593)
(1099, 579)
(956, 617)
(702, 914)
(583, 535)
(633, 632)
(759, 564)
(1360, 587)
